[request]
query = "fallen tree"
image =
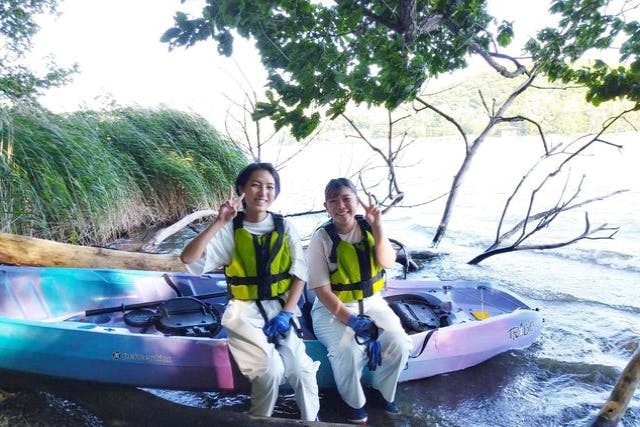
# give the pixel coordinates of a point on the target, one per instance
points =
(614, 409)
(21, 250)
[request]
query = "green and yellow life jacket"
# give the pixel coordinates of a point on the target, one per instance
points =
(259, 268)
(358, 274)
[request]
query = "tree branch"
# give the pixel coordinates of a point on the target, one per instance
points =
(445, 116)
(489, 58)
(588, 234)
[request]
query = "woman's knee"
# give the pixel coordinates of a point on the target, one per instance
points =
(273, 374)
(397, 342)
(302, 373)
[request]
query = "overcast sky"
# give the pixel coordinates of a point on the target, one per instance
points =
(116, 45)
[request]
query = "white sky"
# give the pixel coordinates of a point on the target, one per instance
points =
(116, 44)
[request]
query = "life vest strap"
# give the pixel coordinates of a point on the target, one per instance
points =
(273, 278)
(330, 228)
(364, 285)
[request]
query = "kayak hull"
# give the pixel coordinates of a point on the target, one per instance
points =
(44, 329)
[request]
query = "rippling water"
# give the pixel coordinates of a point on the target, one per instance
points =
(591, 329)
(589, 294)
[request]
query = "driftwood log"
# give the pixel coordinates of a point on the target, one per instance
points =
(621, 395)
(21, 250)
(162, 234)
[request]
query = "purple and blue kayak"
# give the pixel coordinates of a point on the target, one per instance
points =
(111, 326)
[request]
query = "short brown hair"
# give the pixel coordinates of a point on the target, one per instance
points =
(334, 185)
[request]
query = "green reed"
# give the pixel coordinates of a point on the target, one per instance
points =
(89, 177)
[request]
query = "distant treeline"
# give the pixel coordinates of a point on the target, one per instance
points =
(558, 110)
(92, 176)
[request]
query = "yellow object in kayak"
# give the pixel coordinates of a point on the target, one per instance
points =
(480, 315)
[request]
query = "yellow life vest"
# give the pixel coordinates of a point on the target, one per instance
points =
(259, 268)
(358, 274)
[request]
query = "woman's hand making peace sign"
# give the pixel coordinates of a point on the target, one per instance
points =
(229, 209)
(371, 211)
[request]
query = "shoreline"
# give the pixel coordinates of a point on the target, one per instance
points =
(31, 400)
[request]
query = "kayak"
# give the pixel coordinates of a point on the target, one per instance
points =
(162, 329)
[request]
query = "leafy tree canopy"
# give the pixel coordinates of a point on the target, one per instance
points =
(17, 28)
(321, 54)
(587, 25)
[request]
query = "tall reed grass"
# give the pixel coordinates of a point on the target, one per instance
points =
(92, 176)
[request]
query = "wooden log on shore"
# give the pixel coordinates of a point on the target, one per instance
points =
(616, 406)
(21, 250)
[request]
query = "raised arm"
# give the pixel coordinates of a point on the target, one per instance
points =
(227, 211)
(385, 254)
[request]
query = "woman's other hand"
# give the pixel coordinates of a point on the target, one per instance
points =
(371, 211)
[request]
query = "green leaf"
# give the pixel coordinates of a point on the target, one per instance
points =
(505, 33)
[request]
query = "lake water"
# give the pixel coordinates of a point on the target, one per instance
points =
(589, 293)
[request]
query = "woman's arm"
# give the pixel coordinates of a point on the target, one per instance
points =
(227, 211)
(385, 254)
(295, 291)
(196, 248)
(333, 303)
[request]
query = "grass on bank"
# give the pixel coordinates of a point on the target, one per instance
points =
(92, 176)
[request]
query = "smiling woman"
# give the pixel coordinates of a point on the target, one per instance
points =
(265, 272)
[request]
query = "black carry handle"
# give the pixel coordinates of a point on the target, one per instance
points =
(123, 307)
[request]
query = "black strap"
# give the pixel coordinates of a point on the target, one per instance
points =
(252, 280)
(424, 343)
(330, 228)
(262, 311)
(237, 220)
(363, 285)
(173, 286)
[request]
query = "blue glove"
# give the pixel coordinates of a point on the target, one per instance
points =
(374, 353)
(365, 329)
(279, 325)
(361, 326)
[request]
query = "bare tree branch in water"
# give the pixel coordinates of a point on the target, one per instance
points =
(533, 223)
(549, 212)
(496, 116)
(588, 233)
(389, 155)
(162, 234)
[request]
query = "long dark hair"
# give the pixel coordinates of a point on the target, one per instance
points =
(243, 176)
(334, 185)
